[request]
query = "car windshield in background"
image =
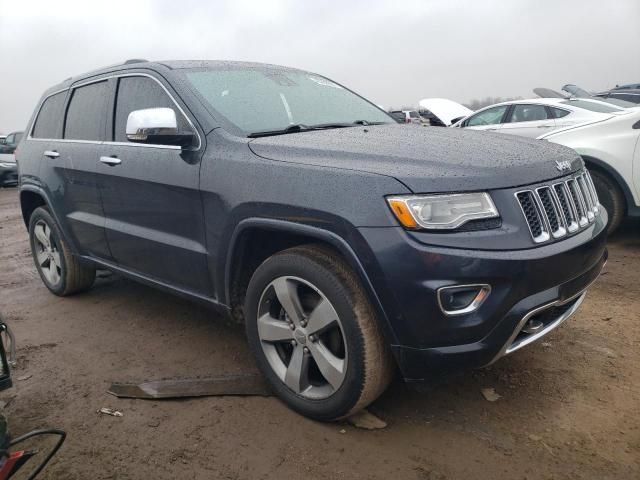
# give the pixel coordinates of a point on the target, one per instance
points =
(593, 106)
(271, 100)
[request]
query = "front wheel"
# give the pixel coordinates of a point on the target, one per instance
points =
(315, 335)
(611, 198)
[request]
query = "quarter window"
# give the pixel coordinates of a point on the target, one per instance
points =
(528, 113)
(86, 112)
(558, 112)
(491, 116)
(49, 118)
(138, 93)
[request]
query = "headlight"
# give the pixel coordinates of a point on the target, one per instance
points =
(442, 212)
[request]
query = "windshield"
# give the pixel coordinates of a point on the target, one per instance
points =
(272, 99)
(593, 106)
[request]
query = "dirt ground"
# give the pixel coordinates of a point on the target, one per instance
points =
(569, 406)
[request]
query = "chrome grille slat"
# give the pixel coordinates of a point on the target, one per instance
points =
(592, 190)
(578, 202)
(559, 209)
(570, 215)
(552, 211)
(533, 214)
(586, 195)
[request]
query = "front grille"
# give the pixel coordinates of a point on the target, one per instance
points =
(555, 210)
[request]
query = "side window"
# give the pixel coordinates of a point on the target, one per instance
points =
(528, 113)
(10, 140)
(138, 93)
(558, 112)
(86, 112)
(49, 120)
(491, 116)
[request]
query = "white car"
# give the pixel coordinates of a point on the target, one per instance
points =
(445, 110)
(611, 151)
(536, 117)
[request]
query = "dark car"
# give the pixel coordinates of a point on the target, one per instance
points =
(628, 95)
(349, 245)
(8, 170)
(10, 143)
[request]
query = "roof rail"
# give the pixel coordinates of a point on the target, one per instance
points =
(135, 60)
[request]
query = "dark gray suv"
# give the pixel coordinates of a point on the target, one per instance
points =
(349, 245)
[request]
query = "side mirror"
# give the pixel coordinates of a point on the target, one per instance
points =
(157, 126)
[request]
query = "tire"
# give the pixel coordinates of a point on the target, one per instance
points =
(352, 343)
(610, 197)
(60, 271)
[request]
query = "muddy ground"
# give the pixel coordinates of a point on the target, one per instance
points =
(569, 406)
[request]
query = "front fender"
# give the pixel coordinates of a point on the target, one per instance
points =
(321, 235)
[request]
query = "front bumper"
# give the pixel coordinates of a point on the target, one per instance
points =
(548, 282)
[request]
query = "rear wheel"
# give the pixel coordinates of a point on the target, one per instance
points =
(315, 335)
(60, 271)
(611, 198)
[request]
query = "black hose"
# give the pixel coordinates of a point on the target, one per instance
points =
(35, 433)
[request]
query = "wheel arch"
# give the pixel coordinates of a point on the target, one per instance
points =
(598, 165)
(242, 260)
(32, 197)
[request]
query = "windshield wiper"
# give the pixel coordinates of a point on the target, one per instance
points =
(300, 127)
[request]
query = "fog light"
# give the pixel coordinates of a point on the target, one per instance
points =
(461, 299)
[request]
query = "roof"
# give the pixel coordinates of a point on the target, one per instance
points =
(167, 64)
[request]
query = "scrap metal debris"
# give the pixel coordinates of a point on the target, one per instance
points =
(248, 384)
(110, 411)
(367, 420)
(490, 394)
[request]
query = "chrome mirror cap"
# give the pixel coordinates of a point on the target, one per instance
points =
(142, 125)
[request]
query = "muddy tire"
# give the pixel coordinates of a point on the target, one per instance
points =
(611, 198)
(315, 335)
(60, 271)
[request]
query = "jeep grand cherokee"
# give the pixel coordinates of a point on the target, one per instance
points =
(348, 244)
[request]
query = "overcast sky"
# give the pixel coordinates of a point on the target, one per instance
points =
(393, 52)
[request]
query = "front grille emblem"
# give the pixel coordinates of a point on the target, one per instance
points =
(563, 165)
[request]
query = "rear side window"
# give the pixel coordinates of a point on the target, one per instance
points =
(528, 113)
(558, 112)
(49, 121)
(138, 93)
(86, 112)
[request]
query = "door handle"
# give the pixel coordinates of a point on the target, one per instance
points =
(51, 154)
(545, 126)
(111, 161)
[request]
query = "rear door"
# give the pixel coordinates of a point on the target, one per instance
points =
(528, 120)
(490, 119)
(74, 161)
(150, 193)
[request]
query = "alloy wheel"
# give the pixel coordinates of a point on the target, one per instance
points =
(47, 253)
(302, 337)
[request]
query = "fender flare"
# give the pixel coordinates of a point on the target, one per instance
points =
(320, 234)
(632, 208)
(47, 201)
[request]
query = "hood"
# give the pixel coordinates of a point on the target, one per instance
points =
(446, 110)
(426, 160)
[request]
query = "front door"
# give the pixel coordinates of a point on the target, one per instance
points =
(150, 193)
(490, 119)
